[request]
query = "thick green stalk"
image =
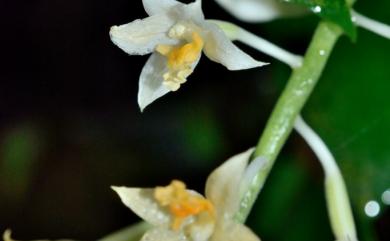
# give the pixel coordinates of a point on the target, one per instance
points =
(289, 105)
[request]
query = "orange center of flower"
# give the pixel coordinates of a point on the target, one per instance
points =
(181, 202)
(180, 58)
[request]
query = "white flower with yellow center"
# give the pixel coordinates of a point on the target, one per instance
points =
(175, 34)
(179, 214)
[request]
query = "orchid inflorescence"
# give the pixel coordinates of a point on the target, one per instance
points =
(176, 35)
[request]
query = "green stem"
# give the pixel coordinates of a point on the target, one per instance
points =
(289, 105)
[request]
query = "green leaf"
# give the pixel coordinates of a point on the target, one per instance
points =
(336, 11)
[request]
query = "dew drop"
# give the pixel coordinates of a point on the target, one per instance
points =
(317, 9)
(322, 52)
(372, 209)
(386, 197)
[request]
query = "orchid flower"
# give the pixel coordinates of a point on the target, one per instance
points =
(175, 34)
(260, 10)
(179, 214)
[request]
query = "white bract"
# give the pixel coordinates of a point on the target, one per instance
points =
(260, 10)
(175, 34)
(179, 214)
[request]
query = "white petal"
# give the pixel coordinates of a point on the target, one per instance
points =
(141, 201)
(259, 10)
(177, 10)
(223, 184)
(142, 36)
(221, 50)
(151, 80)
(163, 234)
(189, 12)
(153, 7)
(230, 231)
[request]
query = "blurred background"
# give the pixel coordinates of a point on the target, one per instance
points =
(70, 126)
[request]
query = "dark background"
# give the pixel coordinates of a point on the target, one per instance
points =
(70, 126)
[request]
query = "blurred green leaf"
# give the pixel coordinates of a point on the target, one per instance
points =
(350, 110)
(336, 11)
(202, 138)
(19, 151)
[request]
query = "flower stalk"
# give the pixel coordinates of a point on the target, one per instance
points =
(339, 207)
(237, 33)
(288, 107)
(371, 25)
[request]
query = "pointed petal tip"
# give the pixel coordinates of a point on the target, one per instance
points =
(118, 189)
(251, 65)
(115, 188)
(142, 105)
(113, 31)
(261, 64)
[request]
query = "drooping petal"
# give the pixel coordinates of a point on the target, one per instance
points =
(151, 80)
(221, 50)
(153, 7)
(141, 201)
(142, 36)
(259, 10)
(163, 234)
(224, 182)
(230, 231)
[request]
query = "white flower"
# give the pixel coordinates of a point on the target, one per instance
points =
(175, 34)
(179, 214)
(260, 10)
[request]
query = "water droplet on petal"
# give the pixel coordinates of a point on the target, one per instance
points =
(386, 197)
(316, 9)
(372, 209)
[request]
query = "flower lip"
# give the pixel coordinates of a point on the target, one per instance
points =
(181, 57)
(182, 203)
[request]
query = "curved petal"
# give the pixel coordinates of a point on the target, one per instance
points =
(224, 182)
(230, 231)
(141, 201)
(221, 50)
(151, 80)
(141, 36)
(163, 234)
(153, 7)
(259, 10)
